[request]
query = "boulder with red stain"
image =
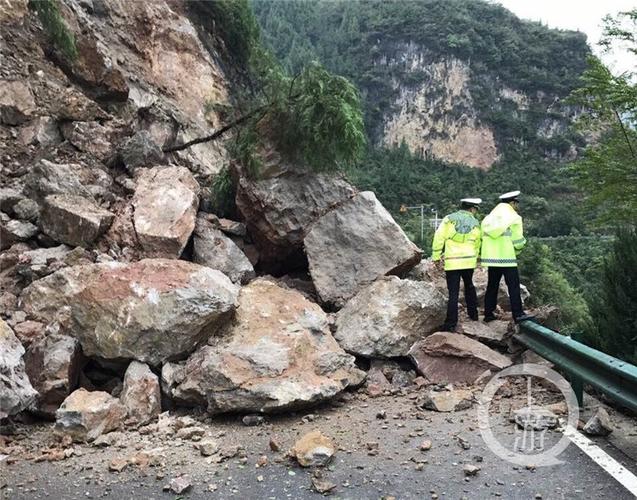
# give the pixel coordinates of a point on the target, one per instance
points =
(445, 357)
(153, 310)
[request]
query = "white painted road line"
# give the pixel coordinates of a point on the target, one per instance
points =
(620, 473)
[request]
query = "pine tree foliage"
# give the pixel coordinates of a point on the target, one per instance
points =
(55, 27)
(320, 123)
(608, 169)
(313, 117)
(615, 310)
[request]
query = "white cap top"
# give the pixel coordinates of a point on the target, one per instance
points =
(510, 195)
(472, 201)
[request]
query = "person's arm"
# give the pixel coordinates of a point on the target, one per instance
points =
(517, 236)
(438, 244)
(478, 242)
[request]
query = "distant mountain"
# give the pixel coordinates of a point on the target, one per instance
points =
(464, 81)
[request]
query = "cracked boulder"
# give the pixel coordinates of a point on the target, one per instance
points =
(16, 392)
(355, 244)
(164, 210)
(214, 249)
(53, 364)
(386, 318)
(445, 357)
(86, 415)
(278, 354)
(279, 211)
(74, 220)
(91, 137)
(153, 310)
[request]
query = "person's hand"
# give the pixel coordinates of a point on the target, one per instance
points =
(439, 265)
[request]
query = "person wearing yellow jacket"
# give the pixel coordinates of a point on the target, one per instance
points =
(458, 240)
(502, 239)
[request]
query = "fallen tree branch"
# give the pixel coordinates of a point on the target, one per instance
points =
(217, 133)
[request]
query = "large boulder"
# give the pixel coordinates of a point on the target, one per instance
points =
(45, 178)
(141, 394)
(279, 211)
(90, 137)
(278, 354)
(16, 392)
(214, 249)
(355, 244)
(140, 150)
(42, 131)
(386, 318)
(74, 220)
(165, 208)
(53, 364)
(494, 334)
(153, 310)
(17, 103)
(445, 357)
(14, 231)
(86, 415)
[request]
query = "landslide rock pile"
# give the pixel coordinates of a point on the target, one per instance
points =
(122, 295)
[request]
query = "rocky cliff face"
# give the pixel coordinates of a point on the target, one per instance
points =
(437, 116)
(141, 67)
(433, 110)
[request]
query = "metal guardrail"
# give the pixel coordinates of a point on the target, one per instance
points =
(615, 378)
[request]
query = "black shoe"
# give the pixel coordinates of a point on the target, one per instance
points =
(490, 317)
(474, 318)
(448, 328)
(524, 317)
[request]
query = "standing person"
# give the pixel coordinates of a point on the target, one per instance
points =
(458, 237)
(502, 239)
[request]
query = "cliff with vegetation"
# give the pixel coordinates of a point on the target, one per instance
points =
(462, 81)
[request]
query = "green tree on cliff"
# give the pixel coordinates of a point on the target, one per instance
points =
(313, 117)
(608, 170)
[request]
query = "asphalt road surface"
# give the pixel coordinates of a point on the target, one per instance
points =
(377, 458)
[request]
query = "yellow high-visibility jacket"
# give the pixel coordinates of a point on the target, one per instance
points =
(458, 236)
(502, 237)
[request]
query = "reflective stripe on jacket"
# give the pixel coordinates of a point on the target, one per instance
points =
(502, 237)
(458, 236)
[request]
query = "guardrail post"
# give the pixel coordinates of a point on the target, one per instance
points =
(577, 384)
